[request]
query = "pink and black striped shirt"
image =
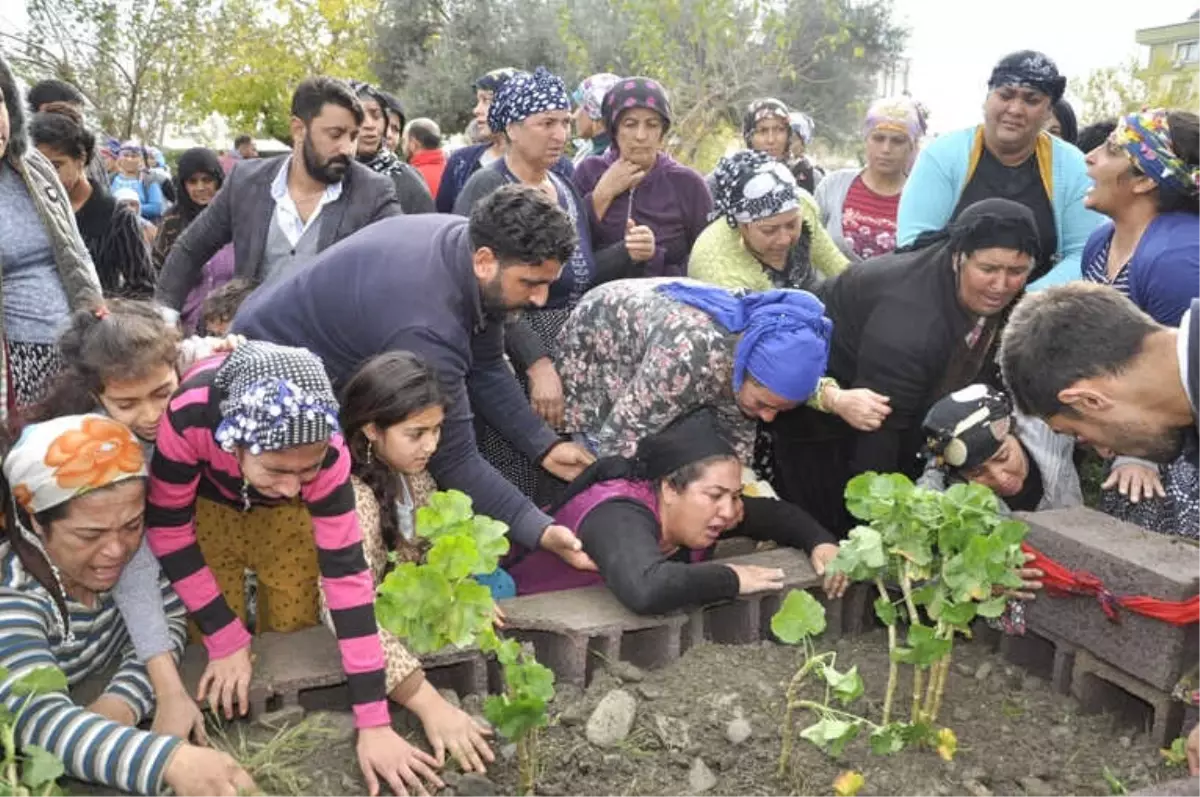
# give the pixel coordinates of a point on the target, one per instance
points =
(188, 462)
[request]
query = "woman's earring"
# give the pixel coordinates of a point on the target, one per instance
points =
(370, 451)
(245, 495)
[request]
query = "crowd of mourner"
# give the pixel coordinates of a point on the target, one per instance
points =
(267, 364)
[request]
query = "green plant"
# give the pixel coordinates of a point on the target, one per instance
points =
(1176, 754)
(438, 603)
(952, 554)
(1115, 786)
(31, 770)
(275, 761)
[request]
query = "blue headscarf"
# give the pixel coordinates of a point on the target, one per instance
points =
(785, 335)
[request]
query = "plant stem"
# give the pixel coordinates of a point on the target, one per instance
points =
(786, 732)
(913, 619)
(822, 709)
(525, 760)
(918, 679)
(893, 667)
(941, 687)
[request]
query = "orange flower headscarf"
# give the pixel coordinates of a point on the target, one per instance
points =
(63, 458)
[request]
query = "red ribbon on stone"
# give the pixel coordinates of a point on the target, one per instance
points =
(1060, 581)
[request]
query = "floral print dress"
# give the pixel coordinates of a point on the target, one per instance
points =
(632, 360)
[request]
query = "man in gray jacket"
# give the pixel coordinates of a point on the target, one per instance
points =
(280, 213)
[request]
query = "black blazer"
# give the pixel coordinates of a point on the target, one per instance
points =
(242, 212)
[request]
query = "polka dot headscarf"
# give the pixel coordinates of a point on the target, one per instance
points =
(524, 95)
(751, 185)
(276, 397)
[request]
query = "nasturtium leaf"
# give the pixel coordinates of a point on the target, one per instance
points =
(922, 648)
(444, 511)
(848, 686)
(861, 555)
(831, 735)
(994, 607)
(456, 556)
(885, 610)
(1011, 532)
(514, 717)
(40, 767)
(40, 681)
(958, 613)
(529, 678)
(509, 652)
(800, 616)
(888, 739)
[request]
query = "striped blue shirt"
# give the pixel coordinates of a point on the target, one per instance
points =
(91, 747)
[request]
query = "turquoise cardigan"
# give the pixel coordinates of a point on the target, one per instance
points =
(944, 166)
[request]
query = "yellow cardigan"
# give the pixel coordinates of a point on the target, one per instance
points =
(720, 257)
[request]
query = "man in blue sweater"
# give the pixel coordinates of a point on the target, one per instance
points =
(441, 286)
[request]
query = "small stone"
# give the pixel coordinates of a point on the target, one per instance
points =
(508, 752)
(977, 789)
(451, 777)
(475, 786)
(451, 697)
(962, 668)
(738, 730)
(978, 774)
(983, 671)
(612, 719)
(649, 692)
(1032, 683)
(1125, 741)
(473, 704)
(961, 714)
(700, 777)
(627, 673)
(1061, 731)
(283, 718)
(573, 714)
(1035, 787)
(675, 734)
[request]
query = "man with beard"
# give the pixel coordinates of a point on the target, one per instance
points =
(411, 190)
(441, 286)
(281, 212)
(1091, 364)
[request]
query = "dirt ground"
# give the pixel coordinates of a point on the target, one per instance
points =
(1015, 736)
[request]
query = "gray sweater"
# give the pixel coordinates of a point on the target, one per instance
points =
(831, 198)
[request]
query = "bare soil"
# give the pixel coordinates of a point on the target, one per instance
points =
(1015, 735)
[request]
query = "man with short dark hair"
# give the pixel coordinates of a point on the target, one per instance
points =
(1091, 364)
(441, 286)
(49, 92)
(281, 212)
(423, 150)
(245, 147)
(410, 188)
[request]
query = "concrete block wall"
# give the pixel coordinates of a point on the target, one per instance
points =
(1130, 561)
(1099, 687)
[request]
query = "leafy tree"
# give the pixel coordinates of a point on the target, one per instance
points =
(129, 58)
(1113, 91)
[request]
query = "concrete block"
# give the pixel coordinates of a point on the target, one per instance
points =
(693, 631)
(734, 623)
(1180, 787)
(1130, 561)
(463, 670)
(565, 654)
(1044, 655)
(1101, 687)
(858, 609)
(650, 648)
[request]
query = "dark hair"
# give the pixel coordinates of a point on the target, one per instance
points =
(1095, 134)
(521, 225)
(426, 132)
(223, 303)
(1185, 141)
(123, 343)
(1063, 334)
(244, 138)
(1065, 115)
(63, 131)
(681, 479)
(394, 106)
(18, 142)
(47, 91)
(386, 390)
(315, 93)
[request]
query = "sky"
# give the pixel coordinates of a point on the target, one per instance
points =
(955, 43)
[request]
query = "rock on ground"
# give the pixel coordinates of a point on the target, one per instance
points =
(674, 733)
(626, 672)
(612, 719)
(738, 730)
(700, 777)
(1036, 787)
(475, 786)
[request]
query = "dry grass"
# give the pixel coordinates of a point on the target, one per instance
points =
(274, 756)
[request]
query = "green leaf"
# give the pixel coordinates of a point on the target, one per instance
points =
(529, 678)
(831, 735)
(491, 541)
(888, 739)
(800, 616)
(40, 681)
(959, 614)
(861, 555)
(885, 610)
(994, 607)
(923, 648)
(456, 556)
(444, 511)
(40, 767)
(848, 686)
(514, 717)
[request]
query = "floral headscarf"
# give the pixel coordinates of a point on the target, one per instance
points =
(751, 185)
(802, 125)
(1146, 139)
(590, 94)
(897, 114)
(524, 95)
(276, 397)
(765, 108)
(636, 92)
(64, 458)
(1031, 70)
